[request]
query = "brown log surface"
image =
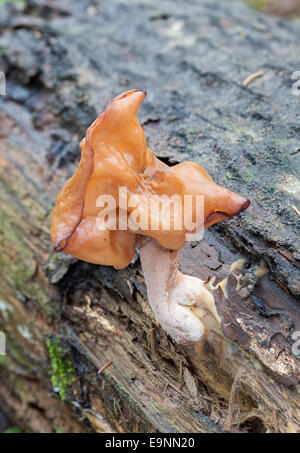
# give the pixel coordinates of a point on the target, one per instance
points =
(63, 62)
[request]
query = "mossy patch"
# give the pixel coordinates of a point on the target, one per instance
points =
(61, 368)
(19, 2)
(258, 4)
(13, 429)
(19, 266)
(15, 352)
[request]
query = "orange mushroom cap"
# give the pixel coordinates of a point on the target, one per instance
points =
(115, 155)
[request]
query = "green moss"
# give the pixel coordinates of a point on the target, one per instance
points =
(61, 369)
(257, 4)
(249, 176)
(229, 175)
(53, 258)
(18, 263)
(73, 30)
(15, 352)
(13, 429)
(17, 2)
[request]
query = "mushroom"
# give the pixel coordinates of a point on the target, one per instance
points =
(100, 215)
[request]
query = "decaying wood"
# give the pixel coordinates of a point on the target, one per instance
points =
(62, 65)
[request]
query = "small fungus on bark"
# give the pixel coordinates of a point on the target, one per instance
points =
(121, 197)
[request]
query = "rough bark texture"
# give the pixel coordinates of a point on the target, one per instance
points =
(63, 318)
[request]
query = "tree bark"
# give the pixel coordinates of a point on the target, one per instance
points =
(65, 319)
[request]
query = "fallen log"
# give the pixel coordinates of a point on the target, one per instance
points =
(65, 319)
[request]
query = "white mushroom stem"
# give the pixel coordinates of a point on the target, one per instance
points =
(182, 304)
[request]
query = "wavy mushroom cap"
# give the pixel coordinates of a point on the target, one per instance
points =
(115, 154)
